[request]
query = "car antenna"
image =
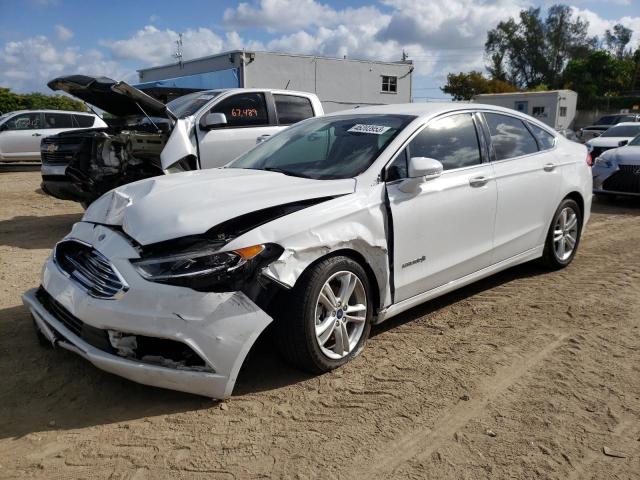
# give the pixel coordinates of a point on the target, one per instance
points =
(145, 114)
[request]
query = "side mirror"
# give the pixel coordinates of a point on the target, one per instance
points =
(213, 120)
(421, 169)
(622, 143)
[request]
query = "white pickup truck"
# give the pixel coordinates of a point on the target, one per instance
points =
(146, 137)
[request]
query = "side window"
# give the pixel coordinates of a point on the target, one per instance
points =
(57, 120)
(509, 136)
(25, 121)
(244, 110)
(292, 109)
(399, 168)
(453, 140)
(545, 139)
(83, 121)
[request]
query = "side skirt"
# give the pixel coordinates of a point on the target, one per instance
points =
(405, 305)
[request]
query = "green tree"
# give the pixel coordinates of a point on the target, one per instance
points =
(532, 51)
(618, 40)
(10, 101)
(464, 86)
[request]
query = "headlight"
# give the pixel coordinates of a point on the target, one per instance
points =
(206, 269)
(603, 162)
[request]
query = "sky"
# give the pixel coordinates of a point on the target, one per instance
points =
(43, 39)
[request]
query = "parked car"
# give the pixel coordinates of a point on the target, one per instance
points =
(615, 137)
(605, 123)
(22, 131)
(326, 228)
(617, 171)
(568, 134)
(146, 138)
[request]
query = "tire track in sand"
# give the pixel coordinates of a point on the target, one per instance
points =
(421, 443)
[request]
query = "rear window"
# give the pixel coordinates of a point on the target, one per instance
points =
(82, 121)
(622, 131)
(509, 136)
(292, 109)
(546, 141)
(57, 120)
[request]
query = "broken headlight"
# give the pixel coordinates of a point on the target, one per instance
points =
(207, 269)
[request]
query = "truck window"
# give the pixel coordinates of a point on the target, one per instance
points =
(292, 109)
(244, 110)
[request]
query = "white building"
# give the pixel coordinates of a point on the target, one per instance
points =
(556, 108)
(339, 83)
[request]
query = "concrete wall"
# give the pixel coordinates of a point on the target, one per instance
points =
(340, 84)
(551, 102)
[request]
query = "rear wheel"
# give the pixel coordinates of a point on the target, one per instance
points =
(327, 318)
(564, 235)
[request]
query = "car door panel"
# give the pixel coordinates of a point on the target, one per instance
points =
(22, 140)
(444, 230)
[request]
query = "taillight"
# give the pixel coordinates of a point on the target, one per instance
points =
(589, 159)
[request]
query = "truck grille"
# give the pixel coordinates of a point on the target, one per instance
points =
(59, 150)
(625, 180)
(89, 268)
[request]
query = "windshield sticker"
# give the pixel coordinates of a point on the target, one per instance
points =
(374, 129)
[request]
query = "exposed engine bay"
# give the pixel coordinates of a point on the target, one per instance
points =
(98, 160)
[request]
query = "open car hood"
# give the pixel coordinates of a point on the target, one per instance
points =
(117, 98)
(190, 203)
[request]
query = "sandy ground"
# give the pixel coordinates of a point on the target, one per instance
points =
(528, 374)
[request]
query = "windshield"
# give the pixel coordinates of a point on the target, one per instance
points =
(327, 147)
(622, 131)
(189, 104)
(635, 142)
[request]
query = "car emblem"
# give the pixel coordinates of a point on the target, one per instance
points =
(52, 147)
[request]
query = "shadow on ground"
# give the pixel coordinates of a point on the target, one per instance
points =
(36, 232)
(616, 205)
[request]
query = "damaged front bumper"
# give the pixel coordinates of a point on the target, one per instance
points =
(217, 328)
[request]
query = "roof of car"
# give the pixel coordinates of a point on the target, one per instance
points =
(249, 90)
(425, 109)
(44, 110)
(626, 124)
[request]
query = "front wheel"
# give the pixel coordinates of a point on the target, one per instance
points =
(564, 235)
(327, 317)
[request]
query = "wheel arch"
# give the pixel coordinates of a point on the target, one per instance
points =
(576, 197)
(362, 261)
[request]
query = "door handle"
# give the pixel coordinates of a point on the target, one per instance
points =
(549, 167)
(478, 181)
(36, 134)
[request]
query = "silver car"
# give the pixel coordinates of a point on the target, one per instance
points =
(617, 171)
(22, 131)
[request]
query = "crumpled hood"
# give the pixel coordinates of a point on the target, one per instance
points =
(190, 203)
(606, 141)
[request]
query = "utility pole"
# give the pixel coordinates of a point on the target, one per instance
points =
(178, 54)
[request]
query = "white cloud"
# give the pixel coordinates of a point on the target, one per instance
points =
(598, 25)
(63, 33)
(27, 65)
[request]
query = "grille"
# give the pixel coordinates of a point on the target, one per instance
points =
(59, 150)
(89, 268)
(93, 336)
(624, 180)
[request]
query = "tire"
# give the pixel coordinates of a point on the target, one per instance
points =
(304, 308)
(552, 256)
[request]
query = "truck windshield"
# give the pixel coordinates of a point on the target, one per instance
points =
(189, 104)
(341, 146)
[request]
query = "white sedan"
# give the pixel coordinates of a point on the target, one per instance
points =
(615, 137)
(328, 227)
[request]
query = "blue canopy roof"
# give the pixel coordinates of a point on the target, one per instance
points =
(200, 81)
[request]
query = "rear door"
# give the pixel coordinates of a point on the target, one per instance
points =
(528, 182)
(249, 115)
(21, 135)
(443, 231)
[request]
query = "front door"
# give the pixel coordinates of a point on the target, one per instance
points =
(21, 138)
(247, 119)
(443, 231)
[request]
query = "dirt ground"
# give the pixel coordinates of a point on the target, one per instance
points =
(527, 374)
